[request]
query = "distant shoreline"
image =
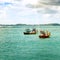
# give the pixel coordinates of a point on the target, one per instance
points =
(50, 24)
(21, 25)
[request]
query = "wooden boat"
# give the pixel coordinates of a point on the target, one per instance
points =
(26, 33)
(30, 32)
(44, 35)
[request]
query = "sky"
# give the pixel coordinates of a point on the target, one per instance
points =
(29, 11)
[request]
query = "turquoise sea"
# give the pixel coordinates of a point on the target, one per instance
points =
(14, 45)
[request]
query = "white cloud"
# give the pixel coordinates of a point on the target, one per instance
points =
(52, 6)
(17, 12)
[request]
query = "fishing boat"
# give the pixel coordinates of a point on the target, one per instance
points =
(30, 32)
(41, 36)
(44, 34)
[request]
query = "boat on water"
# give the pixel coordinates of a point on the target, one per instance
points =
(28, 31)
(44, 34)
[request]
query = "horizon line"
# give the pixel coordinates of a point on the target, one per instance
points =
(29, 24)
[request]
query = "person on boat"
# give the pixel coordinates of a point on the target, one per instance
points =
(47, 33)
(42, 33)
(34, 30)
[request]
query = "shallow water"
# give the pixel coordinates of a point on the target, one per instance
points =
(14, 45)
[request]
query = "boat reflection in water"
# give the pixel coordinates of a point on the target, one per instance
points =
(44, 34)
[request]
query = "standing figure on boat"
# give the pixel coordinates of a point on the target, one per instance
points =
(42, 33)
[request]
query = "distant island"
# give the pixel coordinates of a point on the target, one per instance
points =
(18, 25)
(51, 24)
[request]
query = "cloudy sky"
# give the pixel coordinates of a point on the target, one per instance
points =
(29, 11)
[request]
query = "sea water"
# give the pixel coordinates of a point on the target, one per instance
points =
(14, 45)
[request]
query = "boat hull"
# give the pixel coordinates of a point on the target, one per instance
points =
(43, 36)
(28, 33)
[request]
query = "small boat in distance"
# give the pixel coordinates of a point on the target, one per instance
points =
(44, 34)
(28, 31)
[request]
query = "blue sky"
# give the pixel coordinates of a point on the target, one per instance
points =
(29, 11)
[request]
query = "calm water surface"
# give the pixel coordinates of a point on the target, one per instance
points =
(14, 45)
